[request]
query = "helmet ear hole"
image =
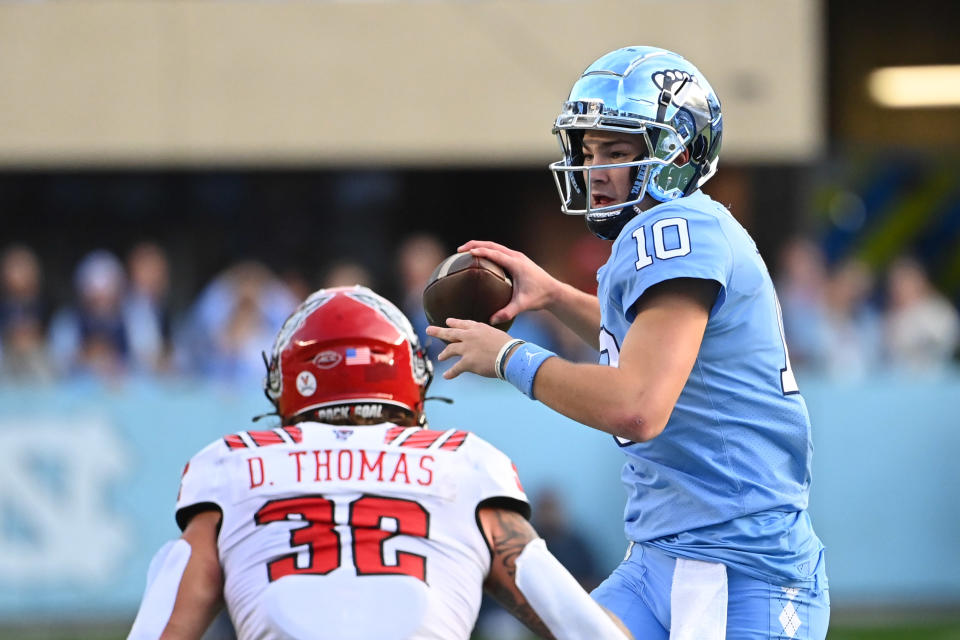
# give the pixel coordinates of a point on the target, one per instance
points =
(699, 149)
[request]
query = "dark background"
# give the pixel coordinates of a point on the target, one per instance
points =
(301, 220)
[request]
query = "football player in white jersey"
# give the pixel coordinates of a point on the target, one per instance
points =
(694, 381)
(352, 519)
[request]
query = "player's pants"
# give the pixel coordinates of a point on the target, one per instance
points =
(651, 591)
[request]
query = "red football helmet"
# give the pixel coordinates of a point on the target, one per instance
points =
(348, 355)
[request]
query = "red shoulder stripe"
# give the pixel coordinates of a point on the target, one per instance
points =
(393, 433)
(234, 441)
(454, 441)
(264, 438)
(295, 433)
(422, 439)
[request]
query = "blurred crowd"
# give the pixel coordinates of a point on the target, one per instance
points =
(120, 322)
(845, 320)
(839, 319)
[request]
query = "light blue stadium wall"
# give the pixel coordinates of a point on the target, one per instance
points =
(89, 474)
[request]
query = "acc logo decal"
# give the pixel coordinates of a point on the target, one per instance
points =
(306, 383)
(327, 359)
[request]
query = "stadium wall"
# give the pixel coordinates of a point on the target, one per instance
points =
(186, 83)
(89, 475)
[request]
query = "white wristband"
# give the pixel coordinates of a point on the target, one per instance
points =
(498, 361)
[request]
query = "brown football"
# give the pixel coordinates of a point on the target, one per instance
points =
(467, 287)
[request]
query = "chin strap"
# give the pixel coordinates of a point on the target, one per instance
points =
(260, 417)
(558, 598)
(163, 582)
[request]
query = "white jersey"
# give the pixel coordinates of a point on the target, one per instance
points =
(350, 532)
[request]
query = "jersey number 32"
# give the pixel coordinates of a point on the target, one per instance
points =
(366, 521)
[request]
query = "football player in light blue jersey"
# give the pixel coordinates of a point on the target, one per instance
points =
(694, 380)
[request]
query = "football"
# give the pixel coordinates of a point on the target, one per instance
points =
(467, 287)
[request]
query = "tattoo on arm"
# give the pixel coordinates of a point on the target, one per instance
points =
(508, 533)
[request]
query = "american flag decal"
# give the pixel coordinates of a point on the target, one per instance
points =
(358, 355)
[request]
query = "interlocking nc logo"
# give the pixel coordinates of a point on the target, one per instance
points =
(86, 458)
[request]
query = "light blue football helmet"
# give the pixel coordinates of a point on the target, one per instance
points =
(650, 92)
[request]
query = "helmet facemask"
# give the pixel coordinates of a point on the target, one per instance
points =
(648, 171)
(645, 91)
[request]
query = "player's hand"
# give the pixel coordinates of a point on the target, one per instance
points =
(533, 288)
(476, 343)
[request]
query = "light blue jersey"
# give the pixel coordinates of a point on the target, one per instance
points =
(728, 478)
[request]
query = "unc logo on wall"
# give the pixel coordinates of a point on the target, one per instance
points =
(75, 534)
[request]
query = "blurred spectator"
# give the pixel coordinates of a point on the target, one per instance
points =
(801, 289)
(585, 258)
(417, 256)
(579, 268)
(146, 314)
(853, 327)
(22, 340)
(571, 548)
(345, 273)
(233, 320)
(90, 337)
(922, 327)
(298, 285)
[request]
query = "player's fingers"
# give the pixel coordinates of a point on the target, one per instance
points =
(507, 313)
(452, 350)
(472, 244)
(485, 244)
(453, 371)
(457, 323)
(505, 260)
(445, 334)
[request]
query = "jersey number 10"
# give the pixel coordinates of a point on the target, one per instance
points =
(659, 245)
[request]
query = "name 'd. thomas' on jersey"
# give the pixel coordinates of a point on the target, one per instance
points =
(340, 465)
